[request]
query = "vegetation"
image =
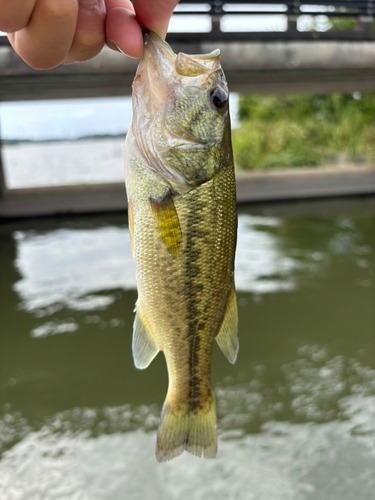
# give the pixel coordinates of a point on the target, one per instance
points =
(327, 23)
(304, 130)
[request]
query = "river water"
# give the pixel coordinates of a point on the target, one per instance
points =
(296, 413)
(64, 163)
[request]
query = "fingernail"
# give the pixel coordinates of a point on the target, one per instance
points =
(88, 3)
(117, 47)
(122, 52)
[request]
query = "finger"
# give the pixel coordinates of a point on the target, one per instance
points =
(46, 40)
(15, 14)
(122, 29)
(124, 4)
(89, 37)
(154, 15)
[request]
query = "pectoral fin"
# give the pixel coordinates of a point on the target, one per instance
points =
(144, 346)
(167, 222)
(227, 337)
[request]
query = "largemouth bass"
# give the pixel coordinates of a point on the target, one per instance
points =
(182, 216)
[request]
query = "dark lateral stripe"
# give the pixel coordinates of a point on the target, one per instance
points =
(193, 293)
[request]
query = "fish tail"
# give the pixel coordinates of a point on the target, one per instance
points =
(192, 430)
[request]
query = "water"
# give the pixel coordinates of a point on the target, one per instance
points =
(296, 414)
(29, 165)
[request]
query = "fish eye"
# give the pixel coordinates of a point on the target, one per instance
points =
(218, 98)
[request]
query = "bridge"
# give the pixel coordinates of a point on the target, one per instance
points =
(267, 47)
(291, 56)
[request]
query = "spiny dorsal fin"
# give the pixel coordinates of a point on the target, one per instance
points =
(144, 346)
(167, 222)
(227, 337)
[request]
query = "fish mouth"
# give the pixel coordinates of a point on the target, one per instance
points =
(158, 50)
(156, 73)
(165, 66)
(184, 64)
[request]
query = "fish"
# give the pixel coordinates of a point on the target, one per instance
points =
(180, 185)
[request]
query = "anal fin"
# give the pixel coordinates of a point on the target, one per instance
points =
(144, 346)
(227, 337)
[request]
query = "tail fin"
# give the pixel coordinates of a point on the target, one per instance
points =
(193, 431)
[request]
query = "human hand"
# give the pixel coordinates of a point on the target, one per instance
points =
(45, 33)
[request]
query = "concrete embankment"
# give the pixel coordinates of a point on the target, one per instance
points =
(296, 184)
(306, 183)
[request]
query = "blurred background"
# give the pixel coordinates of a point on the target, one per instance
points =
(296, 414)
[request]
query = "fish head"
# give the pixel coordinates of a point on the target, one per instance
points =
(180, 112)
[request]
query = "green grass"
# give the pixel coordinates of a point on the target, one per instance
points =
(300, 131)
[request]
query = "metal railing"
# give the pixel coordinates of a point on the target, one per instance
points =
(337, 8)
(361, 12)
